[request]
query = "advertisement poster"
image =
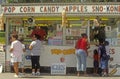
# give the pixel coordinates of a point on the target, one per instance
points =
(58, 68)
(114, 64)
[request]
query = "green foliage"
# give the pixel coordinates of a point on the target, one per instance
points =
(2, 37)
(2, 40)
(2, 34)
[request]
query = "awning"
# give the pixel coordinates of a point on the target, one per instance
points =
(49, 9)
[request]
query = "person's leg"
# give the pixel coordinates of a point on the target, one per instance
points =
(103, 66)
(22, 63)
(33, 64)
(78, 58)
(96, 70)
(96, 66)
(16, 67)
(16, 61)
(37, 65)
(19, 64)
(107, 69)
(83, 62)
(22, 70)
(100, 67)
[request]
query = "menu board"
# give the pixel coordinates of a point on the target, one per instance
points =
(73, 34)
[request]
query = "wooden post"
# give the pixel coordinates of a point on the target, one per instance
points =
(1, 22)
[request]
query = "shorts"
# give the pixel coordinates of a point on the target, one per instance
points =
(16, 59)
(103, 64)
(96, 64)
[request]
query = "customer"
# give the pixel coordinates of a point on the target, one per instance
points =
(96, 61)
(35, 54)
(17, 50)
(21, 64)
(81, 52)
(103, 58)
(107, 47)
(39, 31)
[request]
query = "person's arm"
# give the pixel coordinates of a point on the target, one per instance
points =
(31, 45)
(11, 47)
(76, 45)
(99, 54)
(88, 45)
(23, 48)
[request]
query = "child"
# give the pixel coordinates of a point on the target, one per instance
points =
(96, 61)
(21, 65)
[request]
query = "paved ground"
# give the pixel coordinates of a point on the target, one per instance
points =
(48, 76)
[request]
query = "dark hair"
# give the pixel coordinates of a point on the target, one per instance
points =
(15, 36)
(101, 42)
(95, 51)
(21, 39)
(83, 34)
(37, 36)
(106, 43)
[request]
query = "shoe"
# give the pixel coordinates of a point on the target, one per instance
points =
(104, 74)
(19, 73)
(16, 76)
(22, 73)
(38, 73)
(33, 73)
(19, 76)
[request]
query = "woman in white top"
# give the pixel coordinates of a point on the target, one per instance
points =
(35, 54)
(21, 65)
(17, 50)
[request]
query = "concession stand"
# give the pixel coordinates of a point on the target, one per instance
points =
(64, 24)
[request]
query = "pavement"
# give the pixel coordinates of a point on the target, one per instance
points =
(9, 75)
